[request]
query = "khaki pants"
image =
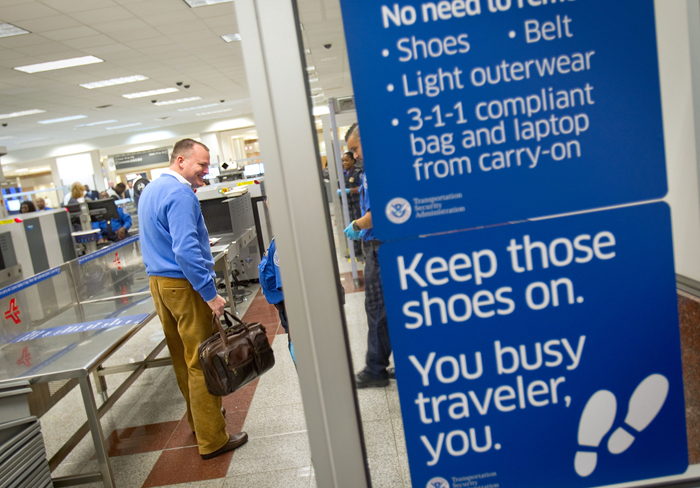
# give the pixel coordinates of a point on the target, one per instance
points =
(186, 320)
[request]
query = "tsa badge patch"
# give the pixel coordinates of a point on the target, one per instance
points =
(438, 483)
(276, 259)
(398, 210)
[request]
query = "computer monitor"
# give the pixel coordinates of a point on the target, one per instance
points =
(73, 208)
(103, 210)
(250, 170)
(14, 205)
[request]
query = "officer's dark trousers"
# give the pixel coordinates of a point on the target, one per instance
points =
(378, 345)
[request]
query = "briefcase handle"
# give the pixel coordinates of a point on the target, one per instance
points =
(216, 323)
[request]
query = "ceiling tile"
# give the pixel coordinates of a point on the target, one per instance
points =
(70, 33)
(27, 11)
(90, 42)
(116, 26)
(38, 26)
(72, 6)
(102, 15)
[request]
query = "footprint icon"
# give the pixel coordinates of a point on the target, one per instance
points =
(644, 406)
(597, 419)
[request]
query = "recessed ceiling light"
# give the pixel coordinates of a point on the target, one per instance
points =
(9, 30)
(124, 126)
(310, 68)
(307, 51)
(27, 141)
(60, 64)
(316, 89)
(216, 111)
(150, 93)
(204, 3)
(22, 170)
(313, 79)
(197, 107)
(301, 26)
(21, 114)
(62, 119)
(231, 37)
(91, 124)
(113, 81)
(179, 100)
(164, 118)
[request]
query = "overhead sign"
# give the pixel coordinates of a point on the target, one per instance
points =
(540, 354)
(477, 112)
(142, 158)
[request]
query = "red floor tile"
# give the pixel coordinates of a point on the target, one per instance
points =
(180, 463)
(186, 465)
(182, 437)
(348, 283)
(144, 438)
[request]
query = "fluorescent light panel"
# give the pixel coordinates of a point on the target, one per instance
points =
(204, 3)
(179, 100)
(231, 37)
(124, 126)
(9, 30)
(60, 64)
(150, 93)
(216, 111)
(310, 68)
(113, 81)
(91, 124)
(63, 119)
(197, 107)
(21, 114)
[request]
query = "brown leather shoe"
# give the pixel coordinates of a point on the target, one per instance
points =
(234, 442)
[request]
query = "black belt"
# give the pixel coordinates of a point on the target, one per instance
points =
(280, 305)
(375, 243)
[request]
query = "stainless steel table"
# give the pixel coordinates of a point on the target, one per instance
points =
(66, 322)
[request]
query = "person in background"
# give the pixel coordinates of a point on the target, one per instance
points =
(375, 373)
(353, 179)
(117, 192)
(129, 192)
(76, 195)
(27, 206)
(41, 205)
(91, 195)
(179, 264)
(119, 227)
(271, 285)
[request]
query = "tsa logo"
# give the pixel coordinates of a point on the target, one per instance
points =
(438, 483)
(398, 210)
(276, 259)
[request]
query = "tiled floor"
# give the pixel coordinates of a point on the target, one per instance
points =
(151, 445)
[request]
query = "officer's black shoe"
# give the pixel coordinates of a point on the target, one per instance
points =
(363, 380)
(391, 373)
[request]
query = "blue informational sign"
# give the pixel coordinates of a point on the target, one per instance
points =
(477, 112)
(539, 354)
(82, 327)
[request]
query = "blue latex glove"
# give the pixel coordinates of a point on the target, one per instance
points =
(352, 233)
(347, 190)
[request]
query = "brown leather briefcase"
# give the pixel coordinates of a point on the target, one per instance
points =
(234, 356)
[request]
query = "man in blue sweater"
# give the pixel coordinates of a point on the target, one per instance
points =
(179, 263)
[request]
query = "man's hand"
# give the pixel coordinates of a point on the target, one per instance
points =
(352, 233)
(217, 305)
(121, 233)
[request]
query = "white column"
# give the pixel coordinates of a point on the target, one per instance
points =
(301, 221)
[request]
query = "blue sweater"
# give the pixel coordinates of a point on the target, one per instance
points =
(174, 239)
